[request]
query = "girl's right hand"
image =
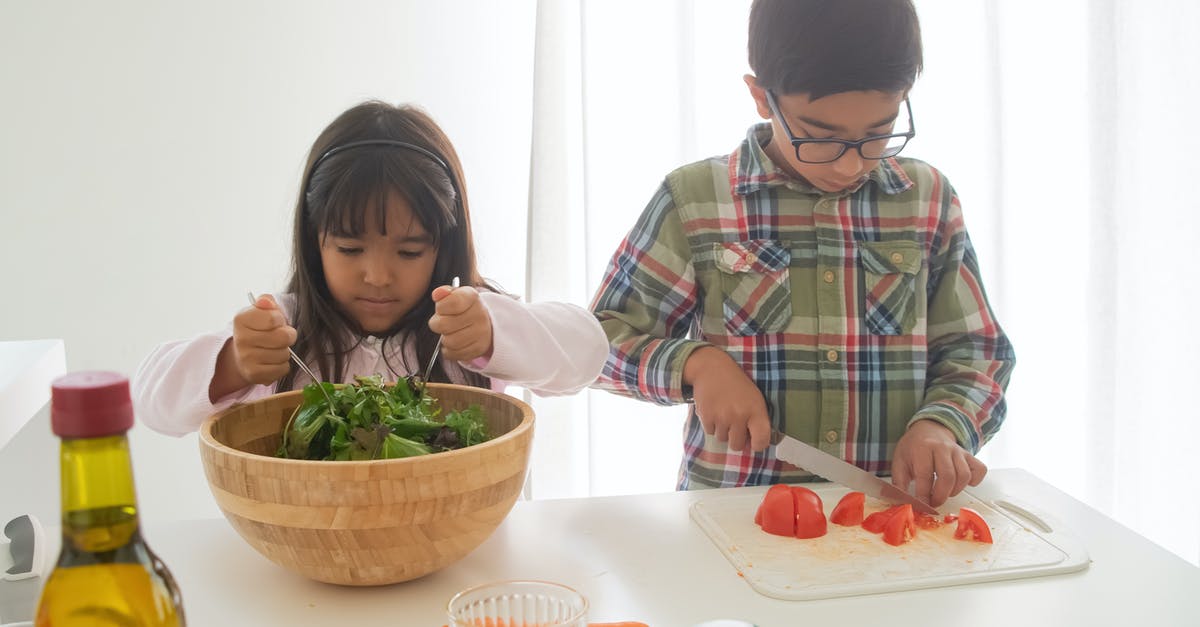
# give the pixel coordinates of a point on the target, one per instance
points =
(261, 338)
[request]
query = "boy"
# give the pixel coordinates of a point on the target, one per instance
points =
(811, 281)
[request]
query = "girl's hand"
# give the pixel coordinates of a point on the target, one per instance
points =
(257, 352)
(463, 322)
(261, 337)
(729, 405)
(928, 454)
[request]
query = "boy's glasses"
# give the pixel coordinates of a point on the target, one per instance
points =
(812, 150)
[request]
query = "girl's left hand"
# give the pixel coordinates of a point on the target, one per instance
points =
(928, 455)
(463, 322)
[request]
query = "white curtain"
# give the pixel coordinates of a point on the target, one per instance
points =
(1064, 126)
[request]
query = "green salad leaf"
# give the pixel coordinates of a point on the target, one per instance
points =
(368, 420)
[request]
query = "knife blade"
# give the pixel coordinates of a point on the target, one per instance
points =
(819, 462)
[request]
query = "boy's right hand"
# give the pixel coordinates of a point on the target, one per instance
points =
(728, 403)
(261, 338)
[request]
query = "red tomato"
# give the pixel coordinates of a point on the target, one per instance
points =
(900, 528)
(877, 521)
(810, 513)
(849, 510)
(972, 526)
(777, 513)
(928, 521)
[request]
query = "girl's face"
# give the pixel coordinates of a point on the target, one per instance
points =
(374, 278)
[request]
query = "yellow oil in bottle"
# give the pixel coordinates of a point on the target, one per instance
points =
(105, 576)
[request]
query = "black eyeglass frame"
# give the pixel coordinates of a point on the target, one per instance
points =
(797, 142)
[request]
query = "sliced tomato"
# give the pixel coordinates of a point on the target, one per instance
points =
(849, 511)
(810, 513)
(900, 528)
(928, 521)
(949, 518)
(877, 521)
(972, 526)
(777, 512)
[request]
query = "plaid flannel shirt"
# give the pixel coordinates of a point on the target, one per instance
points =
(855, 313)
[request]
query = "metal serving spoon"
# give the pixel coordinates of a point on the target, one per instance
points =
(437, 348)
(300, 362)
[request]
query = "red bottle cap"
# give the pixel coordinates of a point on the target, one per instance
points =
(90, 404)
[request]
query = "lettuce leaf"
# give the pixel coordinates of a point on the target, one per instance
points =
(372, 421)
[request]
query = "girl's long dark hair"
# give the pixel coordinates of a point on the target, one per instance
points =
(342, 189)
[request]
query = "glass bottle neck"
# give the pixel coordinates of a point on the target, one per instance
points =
(99, 505)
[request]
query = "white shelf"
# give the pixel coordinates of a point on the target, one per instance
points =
(27, 368)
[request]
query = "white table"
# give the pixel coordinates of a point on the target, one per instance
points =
(27, 368)
(642, 558)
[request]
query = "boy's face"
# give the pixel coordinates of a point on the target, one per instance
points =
(850, 115)
(377, 278)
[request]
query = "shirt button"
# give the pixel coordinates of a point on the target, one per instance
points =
(897, 257)
(371, 339)
(831, 436)
(832, 355)
(829, 276)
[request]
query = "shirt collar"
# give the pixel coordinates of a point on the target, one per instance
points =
(755, 171)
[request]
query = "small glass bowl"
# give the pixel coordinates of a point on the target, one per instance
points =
(518, 603)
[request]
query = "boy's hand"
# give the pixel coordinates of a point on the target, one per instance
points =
(463, 322)
(729, 405)
(929, 454)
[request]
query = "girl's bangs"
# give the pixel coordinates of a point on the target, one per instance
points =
(362, 185)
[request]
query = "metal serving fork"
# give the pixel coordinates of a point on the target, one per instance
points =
(437, 348)
(300, 362)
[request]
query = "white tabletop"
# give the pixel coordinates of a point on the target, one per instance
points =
(642, 558)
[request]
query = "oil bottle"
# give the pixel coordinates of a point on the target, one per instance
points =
(105, 574)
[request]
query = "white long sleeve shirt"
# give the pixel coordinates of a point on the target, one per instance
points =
(550, 348)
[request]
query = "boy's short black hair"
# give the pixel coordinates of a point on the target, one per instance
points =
(824, 47)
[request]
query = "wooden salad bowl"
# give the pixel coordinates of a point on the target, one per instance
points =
(365, 523)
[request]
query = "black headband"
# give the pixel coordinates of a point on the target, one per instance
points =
(383, 142)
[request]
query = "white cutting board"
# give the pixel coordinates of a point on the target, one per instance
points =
(851, 561)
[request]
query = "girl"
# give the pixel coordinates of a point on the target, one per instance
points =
(381, 220)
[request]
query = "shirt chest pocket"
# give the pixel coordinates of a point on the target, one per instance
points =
(889, 273)
(756, 297)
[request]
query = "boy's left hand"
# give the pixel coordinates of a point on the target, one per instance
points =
(929, 454)
(463, 322)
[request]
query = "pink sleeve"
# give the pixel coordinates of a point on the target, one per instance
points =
(170, 387)
(550, 348)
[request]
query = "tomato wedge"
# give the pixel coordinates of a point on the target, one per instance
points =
(849, 511)
(928, 521)
(877, 521)
(777, 512)
(900, 528)
(972, 526)
(791, 511)
(810, 513)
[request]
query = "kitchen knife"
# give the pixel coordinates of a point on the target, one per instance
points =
(819, 462)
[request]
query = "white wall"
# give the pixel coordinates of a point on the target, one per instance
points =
(150, 154)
